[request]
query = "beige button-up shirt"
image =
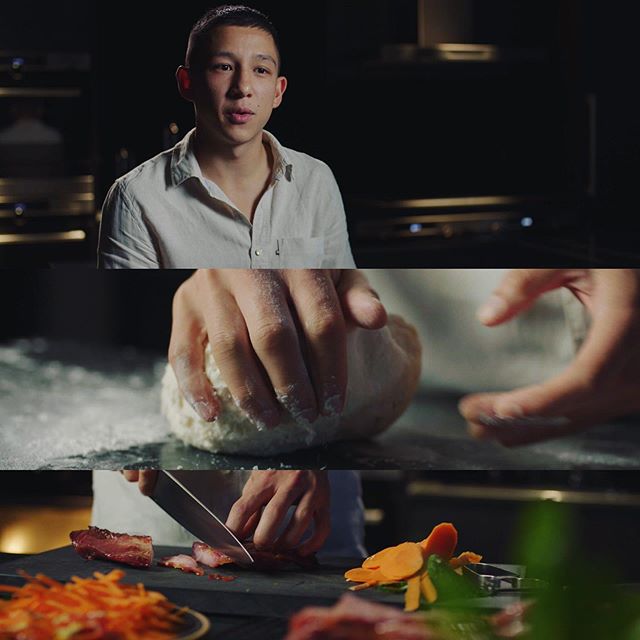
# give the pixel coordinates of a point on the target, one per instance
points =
(166, 214)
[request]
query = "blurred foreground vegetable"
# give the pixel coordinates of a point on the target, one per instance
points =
(585, 599)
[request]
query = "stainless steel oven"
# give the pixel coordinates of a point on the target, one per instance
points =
(47, 158)
(465, 119)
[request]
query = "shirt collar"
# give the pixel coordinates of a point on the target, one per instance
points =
(184, 164)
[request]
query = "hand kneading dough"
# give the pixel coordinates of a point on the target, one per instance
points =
(383, 370)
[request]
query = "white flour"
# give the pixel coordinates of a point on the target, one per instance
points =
(50, 409)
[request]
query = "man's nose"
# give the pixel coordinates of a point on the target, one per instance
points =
(241, 86)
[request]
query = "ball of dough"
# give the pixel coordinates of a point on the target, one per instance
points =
(383, 373)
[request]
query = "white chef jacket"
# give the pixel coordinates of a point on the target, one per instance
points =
(119, 506)
(166, 214)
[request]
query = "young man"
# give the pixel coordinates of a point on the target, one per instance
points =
(228, 195)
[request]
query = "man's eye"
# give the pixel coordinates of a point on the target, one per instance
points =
(222, 66)
(262, 71)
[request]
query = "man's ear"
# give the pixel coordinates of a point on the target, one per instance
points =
(281, 87)
(183, 78)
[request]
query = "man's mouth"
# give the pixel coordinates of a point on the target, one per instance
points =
(240, 116)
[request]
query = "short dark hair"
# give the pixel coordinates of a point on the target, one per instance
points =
(226, 15)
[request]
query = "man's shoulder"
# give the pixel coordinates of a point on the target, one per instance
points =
(306, 166)
(306, 162)
(151, 173)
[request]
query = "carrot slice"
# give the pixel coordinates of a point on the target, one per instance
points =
(412, 594)
(442, 541)
(466, 557)
(361, 575)
(428, 588)
(364, 585)
(404, 561)
(373, 562)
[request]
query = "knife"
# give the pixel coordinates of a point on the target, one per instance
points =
(171, 495)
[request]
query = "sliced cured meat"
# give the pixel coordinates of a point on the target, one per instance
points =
(220, 577)
(92, 543)
(357, 619)
(183, 562)
(208, 556)
(511, 622)
(263, 560)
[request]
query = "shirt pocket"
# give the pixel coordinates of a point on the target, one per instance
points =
(301, 253)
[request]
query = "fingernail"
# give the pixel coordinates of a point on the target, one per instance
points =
(205, 410)
(492, 309)
(268, 420)
(331, 399)
(301, 414)
(264, 417)
(306, 416)
(510, 411)
(499, 422)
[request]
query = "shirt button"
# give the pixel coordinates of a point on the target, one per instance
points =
(258, 252)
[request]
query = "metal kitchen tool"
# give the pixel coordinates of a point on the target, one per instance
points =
(496, 578)
(173, 496)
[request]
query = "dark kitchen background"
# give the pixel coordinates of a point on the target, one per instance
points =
(87, 308)
(462, 132)
(38, 509)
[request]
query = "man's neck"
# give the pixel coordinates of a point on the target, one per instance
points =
(243, 172)
(232, 165)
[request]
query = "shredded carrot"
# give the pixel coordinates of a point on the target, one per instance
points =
(87, 609)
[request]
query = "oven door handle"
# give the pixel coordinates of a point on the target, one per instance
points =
(42, 238)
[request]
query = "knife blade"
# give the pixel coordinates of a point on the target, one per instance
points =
(171, 495)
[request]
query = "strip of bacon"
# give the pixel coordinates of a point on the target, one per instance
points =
(183, 562)
(221, 578)
(209, 556)
(91, 543)
(277, 560)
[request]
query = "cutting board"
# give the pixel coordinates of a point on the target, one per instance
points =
(252, 593)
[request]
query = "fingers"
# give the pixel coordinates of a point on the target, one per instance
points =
(555, 408)
(322, 529)
(299, 523)
(518, 290)
(186, 355)
(266, 502)
(278, 339)
(597, 385)
(249, 505)
(130, 476)
(263, 302)
(510, 426)
(325, 338)
(146, 480)
(614, 335)
(232, 349)
(274, 515)
(248, 527)
(360, 303)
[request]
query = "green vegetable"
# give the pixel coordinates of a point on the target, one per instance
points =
(450, 585)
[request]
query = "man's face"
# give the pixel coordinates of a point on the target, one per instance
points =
(239, 86)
